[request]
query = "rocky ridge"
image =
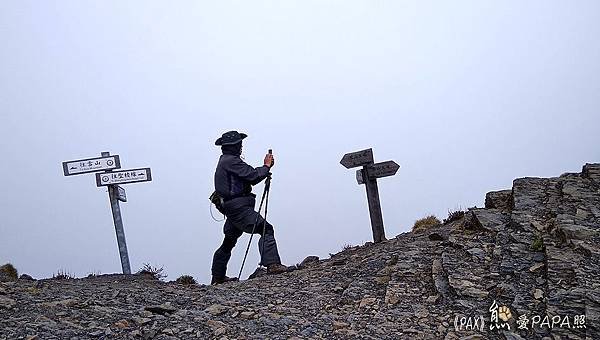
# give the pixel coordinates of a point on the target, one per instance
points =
(531, 257)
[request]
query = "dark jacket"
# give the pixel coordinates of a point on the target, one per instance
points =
(234, 178)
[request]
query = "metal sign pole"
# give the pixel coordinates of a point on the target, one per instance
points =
(113, 195)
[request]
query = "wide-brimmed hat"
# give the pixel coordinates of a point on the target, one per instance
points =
(230, 138)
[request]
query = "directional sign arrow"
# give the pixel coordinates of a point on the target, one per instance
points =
(359, 158)
(123, 177)
(382, 169)
(84, 166)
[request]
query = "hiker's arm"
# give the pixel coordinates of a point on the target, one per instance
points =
(247, 172)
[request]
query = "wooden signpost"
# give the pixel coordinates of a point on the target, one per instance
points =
(116, 193)
(368, 176)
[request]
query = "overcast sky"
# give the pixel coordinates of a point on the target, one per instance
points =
(465, 95)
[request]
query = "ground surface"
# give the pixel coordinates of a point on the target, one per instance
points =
(534, 249)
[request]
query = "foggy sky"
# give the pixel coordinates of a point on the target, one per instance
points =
(464, 95)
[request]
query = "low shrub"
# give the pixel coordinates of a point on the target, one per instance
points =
(426, 223)
(94, 274)
(62, 275)
(346, 247)
(186, 280)
(9, 271)
(537, 244)
(454, 216)
(154, 272)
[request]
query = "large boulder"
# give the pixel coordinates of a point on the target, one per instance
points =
(502, 200)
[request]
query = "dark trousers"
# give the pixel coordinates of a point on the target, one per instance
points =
(235, 225)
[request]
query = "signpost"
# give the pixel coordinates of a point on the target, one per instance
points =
(368, 176)
(116, 193)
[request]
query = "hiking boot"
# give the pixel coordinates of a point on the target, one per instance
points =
(277, 268)
(218, 280)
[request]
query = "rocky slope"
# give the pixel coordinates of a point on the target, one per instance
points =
(533, 249)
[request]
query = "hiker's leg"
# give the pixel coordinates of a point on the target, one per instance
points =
(267, 246)
(223, 254)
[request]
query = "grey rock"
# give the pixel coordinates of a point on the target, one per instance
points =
(477, 252)
(25, 277)
(439, 277)
(579, 232)
(467, 288)
(308, 331)
(163, 309)
(309, 260)
(436, 237)
(6, 302)
(536, 267)
(499, 200)
(97, 333)
(216, 309)
(511, 336)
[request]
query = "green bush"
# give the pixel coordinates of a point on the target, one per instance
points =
(537, 244)
(426, 223)
(186, 280)
(9, 271)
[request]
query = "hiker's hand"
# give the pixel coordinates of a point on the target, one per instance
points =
(269, 160)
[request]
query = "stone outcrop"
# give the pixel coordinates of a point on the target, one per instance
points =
(532, 252)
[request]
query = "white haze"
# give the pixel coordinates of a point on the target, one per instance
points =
(464, 95)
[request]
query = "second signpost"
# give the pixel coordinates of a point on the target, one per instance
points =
(116, 193)
(368, 176)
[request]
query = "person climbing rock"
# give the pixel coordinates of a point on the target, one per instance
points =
(234, 198)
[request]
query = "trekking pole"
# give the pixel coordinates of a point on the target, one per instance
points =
(268, 189)
(262, 200)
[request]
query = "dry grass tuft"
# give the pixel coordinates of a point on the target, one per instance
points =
(186, 280)
(154, 272)
(426, 223)
(62, 275)
(9, 271)
(454, 216)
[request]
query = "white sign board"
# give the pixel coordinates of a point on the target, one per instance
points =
(84, 166)
(123, 177)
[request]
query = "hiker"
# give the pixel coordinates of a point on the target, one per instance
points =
(234, 198)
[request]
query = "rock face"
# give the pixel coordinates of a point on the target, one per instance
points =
(529, 262)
